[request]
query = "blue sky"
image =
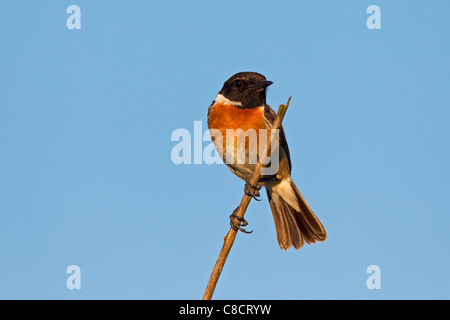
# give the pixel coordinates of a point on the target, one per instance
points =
(87, 179)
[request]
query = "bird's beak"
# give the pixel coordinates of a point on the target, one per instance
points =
(263, 85)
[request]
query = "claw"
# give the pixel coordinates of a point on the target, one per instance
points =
(252, 191)
(241, 223)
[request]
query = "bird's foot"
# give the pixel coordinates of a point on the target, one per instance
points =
(237, 222)
(252, 191)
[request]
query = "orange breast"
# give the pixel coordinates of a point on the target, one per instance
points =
(224, 116)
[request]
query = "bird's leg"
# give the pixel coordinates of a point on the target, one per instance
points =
(241, 222)
(252, 191)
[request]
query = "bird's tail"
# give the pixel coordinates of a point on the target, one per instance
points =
(295, 222)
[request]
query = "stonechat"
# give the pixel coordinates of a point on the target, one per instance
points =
(240, 107)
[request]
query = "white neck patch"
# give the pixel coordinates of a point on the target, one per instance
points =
(220, 98)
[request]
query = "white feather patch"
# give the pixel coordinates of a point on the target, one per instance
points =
(287, 193)
(220, 98)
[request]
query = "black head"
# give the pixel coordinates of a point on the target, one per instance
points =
(246, 89)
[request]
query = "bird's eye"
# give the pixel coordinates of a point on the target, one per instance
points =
(238, 83)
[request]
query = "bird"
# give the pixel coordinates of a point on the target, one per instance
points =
(240, 106)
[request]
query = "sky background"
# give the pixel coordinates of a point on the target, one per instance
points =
(86, 176)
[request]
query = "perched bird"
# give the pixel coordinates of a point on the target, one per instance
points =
(241, 104)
